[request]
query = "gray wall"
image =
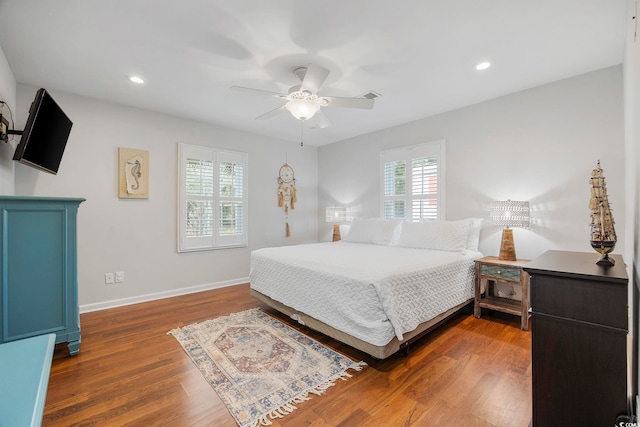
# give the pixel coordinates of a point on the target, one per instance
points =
(8, 95)
(538, 145)
(632, 149)
(632, 131)
(139, 236)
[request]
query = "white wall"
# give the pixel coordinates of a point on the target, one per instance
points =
(139, 236)
(8, 95)
(538, 145)
(632, 133)
(632, 155)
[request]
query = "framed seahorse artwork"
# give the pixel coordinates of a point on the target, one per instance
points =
(133, 173)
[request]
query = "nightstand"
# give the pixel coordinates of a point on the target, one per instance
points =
(490, 273)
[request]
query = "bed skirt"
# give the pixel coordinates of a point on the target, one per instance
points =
(378, 352)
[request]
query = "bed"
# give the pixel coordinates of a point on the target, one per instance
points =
(386, 283)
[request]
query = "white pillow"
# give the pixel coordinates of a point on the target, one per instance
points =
(434, 234)
(473, 236)
(373, 230)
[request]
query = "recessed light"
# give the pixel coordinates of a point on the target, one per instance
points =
(483, 65)
(136, 79)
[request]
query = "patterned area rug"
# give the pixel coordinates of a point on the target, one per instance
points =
(260, 367)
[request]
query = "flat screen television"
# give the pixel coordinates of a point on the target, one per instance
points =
(45, 135)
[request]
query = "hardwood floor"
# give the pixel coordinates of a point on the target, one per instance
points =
(129, 372)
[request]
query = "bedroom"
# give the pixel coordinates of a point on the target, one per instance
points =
(538, 144)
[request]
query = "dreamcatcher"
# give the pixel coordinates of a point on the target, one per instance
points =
(286, 193)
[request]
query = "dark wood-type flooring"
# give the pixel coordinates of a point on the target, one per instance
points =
(129, 372)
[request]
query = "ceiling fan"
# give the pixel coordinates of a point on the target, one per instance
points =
(303, 101)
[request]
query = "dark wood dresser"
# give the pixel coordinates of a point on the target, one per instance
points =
(579, 339)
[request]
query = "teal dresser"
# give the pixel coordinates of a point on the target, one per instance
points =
(39, 270)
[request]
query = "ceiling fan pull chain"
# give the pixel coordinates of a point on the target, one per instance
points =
(301, 133)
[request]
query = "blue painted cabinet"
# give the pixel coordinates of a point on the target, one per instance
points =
(39, 271)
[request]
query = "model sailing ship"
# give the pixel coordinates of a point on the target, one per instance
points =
(603, 233)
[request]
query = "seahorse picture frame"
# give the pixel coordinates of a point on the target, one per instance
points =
(133, 173)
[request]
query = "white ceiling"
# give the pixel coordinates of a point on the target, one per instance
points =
(418, 54)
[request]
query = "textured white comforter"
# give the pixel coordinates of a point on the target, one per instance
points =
(372, 292)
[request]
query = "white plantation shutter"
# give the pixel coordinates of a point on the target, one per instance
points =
(212, 198)
(413, 182)
(231, 198)
(395, 188)
(424, 188)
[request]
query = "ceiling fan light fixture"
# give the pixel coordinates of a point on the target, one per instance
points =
(302, 107)
(302, 100)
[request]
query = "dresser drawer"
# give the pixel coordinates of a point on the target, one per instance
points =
(500, 272)
(593, 301)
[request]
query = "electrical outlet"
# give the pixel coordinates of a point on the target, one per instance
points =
(108, 278)
(119, 276)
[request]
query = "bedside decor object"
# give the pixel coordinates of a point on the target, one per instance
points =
(287, 193)
(509, 213)
(336, 215)
(603, 234)
(133, 173)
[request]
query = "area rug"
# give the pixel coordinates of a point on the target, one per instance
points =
(260, 367)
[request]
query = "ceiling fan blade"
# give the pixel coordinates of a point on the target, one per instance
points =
(335, 101)
(258, 91)
(272, 113)
(318, 121)
(314, 78)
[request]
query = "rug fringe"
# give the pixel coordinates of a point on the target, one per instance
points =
(289, 407)
(280, 412)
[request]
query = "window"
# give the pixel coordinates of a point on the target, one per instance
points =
(413, 182)
(212, 198)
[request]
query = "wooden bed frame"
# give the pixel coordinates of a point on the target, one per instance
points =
(379, 352)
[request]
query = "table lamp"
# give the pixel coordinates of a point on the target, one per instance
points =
(336, 215)
(509, 213)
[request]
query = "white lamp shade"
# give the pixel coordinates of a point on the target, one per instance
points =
(510, 213)
(303, 109)
(336, 215)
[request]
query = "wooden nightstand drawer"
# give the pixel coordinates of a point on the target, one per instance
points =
(501, 272)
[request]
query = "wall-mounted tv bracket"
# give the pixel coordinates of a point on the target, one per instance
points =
(4, 129)
(4, 125)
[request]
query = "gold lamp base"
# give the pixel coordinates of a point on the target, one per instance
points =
(336, 232)
(507, 247)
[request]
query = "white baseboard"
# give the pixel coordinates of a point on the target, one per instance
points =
(86, 308)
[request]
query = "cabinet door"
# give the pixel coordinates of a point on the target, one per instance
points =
(579, 373)
(35, 270)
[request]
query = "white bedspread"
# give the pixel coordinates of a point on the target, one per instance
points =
(372, 292)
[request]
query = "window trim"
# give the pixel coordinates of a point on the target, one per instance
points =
(216, 241)
(408, 153)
